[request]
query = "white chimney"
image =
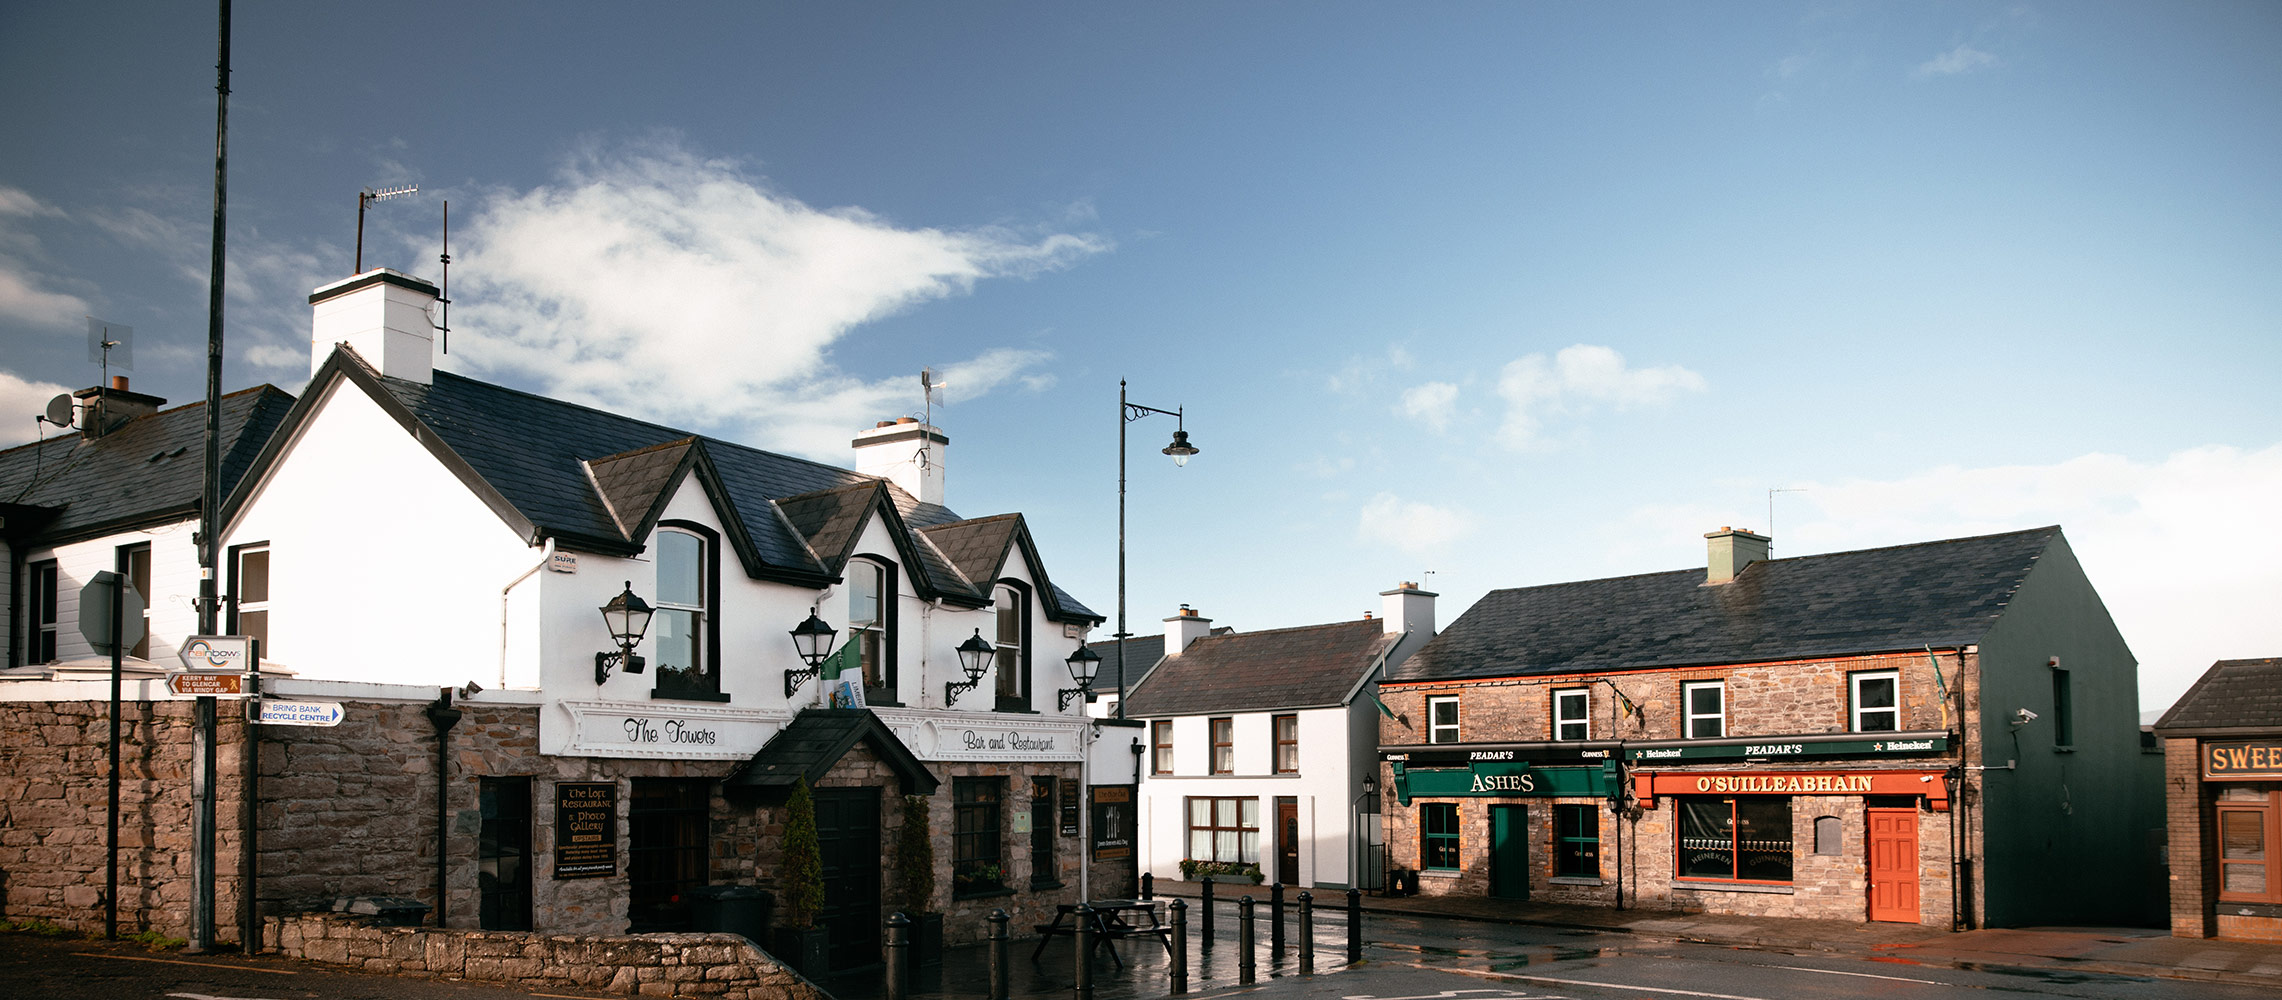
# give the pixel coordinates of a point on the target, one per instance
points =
(1730, 550)
(384, 315)
(904, 452)
(1408, 609)
(1185, 628)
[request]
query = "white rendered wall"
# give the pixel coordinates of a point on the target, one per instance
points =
(1326, 771)
(383, 566)
(173, 609)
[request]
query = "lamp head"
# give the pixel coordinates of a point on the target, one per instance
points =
(1084, 663)
(974, 655)
(1181, 449)
(812, 639)
(628, 617)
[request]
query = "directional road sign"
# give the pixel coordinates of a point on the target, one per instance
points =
(208, 685)
(216, 652)
(300, 713)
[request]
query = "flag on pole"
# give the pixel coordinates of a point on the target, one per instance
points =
(1383, 709)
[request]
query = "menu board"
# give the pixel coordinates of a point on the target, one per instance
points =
(586, 829)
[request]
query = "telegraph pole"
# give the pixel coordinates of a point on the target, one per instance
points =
(210, 519)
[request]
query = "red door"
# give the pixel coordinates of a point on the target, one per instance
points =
(1894, 865)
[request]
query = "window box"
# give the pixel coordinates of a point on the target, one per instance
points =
(1222, 871)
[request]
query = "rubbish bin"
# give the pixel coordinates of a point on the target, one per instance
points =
(731, 909)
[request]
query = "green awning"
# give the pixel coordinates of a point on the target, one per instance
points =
(1503, 779)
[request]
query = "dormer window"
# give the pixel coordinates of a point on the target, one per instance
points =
(1013, 645)
(681, 630)
(871, 626)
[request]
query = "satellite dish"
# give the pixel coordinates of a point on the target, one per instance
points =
(59, 410)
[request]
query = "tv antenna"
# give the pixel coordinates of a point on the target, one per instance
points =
(367, 197)
(1771, 514)
(928, 383)
(108, 344)
(444, 294)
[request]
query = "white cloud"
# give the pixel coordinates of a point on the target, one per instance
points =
(1410, 525)
(2186, 552)
(18, 202)
(1576, 379)
(659, 283)
(1433, 403)
(1955, 62)
(22, 299)
(20, 400)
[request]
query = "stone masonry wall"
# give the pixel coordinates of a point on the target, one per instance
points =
(652, 965)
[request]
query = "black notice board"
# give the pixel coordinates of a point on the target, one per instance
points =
(1070, 806)
(586, 829)
(1112, 822)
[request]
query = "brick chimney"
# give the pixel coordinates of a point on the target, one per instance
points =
(103, 409)
(1732, 549)
(384, 315)
(1185, 628)
(904, 452)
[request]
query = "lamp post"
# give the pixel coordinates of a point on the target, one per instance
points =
(628, 617)
(1181, 451)
(1083, 664)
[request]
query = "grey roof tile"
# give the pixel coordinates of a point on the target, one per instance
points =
(150, 470)
(1313, 666)
(2232, 694)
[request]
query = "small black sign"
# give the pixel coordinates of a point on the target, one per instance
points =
(586, 829)
(1070, 807)
(1112, 822)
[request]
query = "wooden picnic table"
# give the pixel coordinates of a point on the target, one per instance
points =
(1114, 920)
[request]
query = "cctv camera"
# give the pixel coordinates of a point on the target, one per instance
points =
(2023, 717)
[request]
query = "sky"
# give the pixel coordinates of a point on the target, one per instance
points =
(1473, 295)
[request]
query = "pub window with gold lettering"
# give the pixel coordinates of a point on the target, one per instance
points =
(1735, 839)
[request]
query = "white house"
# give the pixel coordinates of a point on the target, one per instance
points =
(1262, 746)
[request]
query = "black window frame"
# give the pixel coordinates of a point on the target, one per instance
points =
(503, 853)
(705, 685)
(878, 662)
(978, 836)
(2063, 710)
(1018, 699)
(45, 580)
(1045, 869)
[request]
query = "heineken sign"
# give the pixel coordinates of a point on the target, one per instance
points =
(1797, 748)
(1500, 779)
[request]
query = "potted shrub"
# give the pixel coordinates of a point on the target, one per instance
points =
(1222, 871)
(914, 886)
(800, 942)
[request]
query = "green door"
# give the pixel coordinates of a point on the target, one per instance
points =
(1509, 852)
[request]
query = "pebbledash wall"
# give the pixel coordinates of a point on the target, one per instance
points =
(350, 810)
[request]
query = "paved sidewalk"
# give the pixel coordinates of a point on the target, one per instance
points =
(2135, 951)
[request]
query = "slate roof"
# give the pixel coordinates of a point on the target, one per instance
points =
(816, 739)
(1943, 594)
(594, 481)
(2233, 694)
(1141, 653)
(1314, 666)
(151, 470)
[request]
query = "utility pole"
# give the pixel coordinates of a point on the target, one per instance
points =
(210, 520)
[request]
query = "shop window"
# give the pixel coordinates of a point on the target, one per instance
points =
(978, 851)
(1876, 701)
(667, 830)
(1828, 841)
(1224, 829)
(1224, 746)
(1572, 714)
(1161, 746)
(1442, 719)
(249, 595)
(2249, 824)
(1042, 870)
(871, 626)
(135, 564)
(1577, 841)
(1438, 837)
(1706, 703)
(1287, 744)
(2063, 711)
(43, 612)
(1013, 648)
(681, 631)
(503, 855)
(1735, 839)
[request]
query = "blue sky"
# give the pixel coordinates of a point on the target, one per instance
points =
(1512, 293)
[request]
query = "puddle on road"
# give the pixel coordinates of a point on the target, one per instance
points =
(2056, 977)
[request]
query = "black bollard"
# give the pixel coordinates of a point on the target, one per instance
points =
(998, 919)
(1244, 940)
(1180, 941)
(1354, 925)
(898, 966)
(1084, 917)
(1148, 885)
(1276, 919)
(1204, 914)
(1306, 933)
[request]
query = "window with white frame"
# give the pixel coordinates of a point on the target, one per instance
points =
(1706, 703)
(43, 612)
(1573, 713)
(1876, 701)
(680, 628)
(249, 590)
(137, 563)
(1442, 719)
(871, 625)
(1013, 658)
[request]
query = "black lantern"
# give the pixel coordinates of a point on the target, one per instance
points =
(974, 655)
(1084, 663)
(1181, 449)
(627, 616)
(812, 639)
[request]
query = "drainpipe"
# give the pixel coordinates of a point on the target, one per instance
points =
(545, 556)
(445, 717)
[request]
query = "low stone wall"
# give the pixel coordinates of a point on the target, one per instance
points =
(652, 965)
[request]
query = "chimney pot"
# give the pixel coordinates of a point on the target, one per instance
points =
(119, 382)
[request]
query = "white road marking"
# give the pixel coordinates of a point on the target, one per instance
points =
(177, 961)
(1864, 975)
(1586, 982)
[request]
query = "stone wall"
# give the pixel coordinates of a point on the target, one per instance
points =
(652, 965)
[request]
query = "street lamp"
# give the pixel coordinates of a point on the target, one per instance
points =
(812, 639)
(628, 616)
(1083, 663)
(1181, 451)
(974, 655)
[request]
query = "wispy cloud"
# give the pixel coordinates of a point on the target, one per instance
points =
(1962, 59)
(1579, 379)
(658, 282)
(20, 399)
(26, 293)
(1411, 525)
(1433, 404)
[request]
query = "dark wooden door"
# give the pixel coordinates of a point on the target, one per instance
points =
(1894, 865)
(848, 841)
(1287, 840)
(1509, 852)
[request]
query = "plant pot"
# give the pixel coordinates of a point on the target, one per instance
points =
(807, 951)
